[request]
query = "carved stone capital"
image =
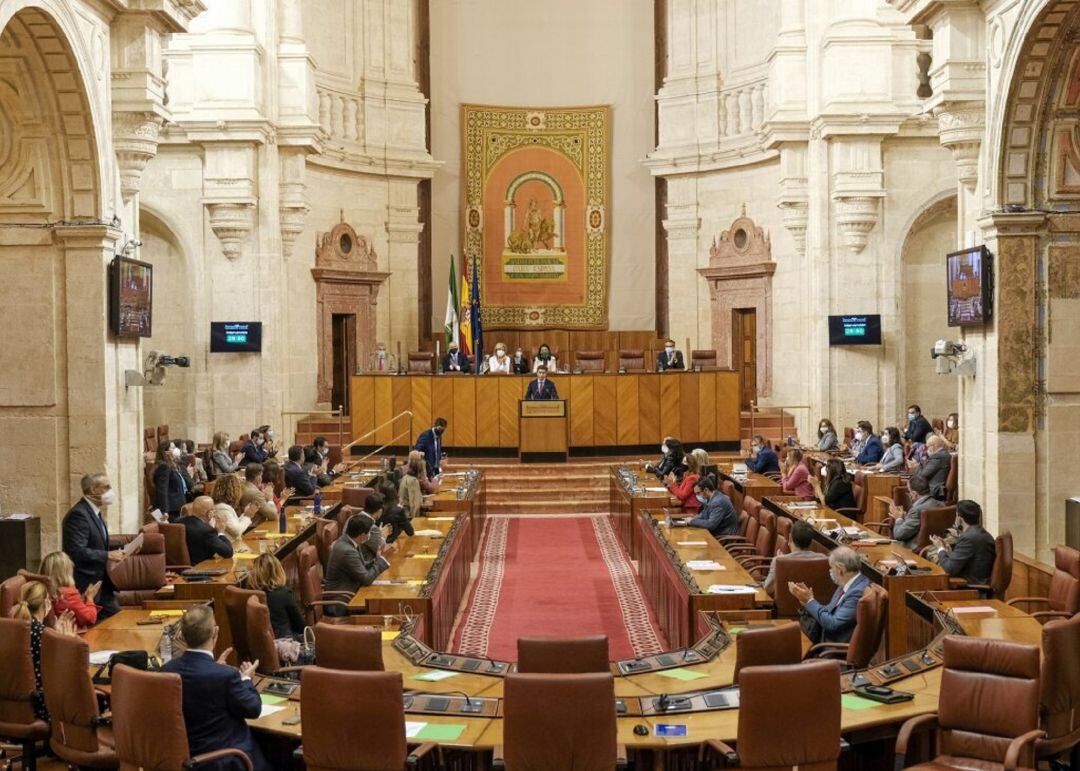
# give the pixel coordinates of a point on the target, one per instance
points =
(856, 216)
(293, 216)
(961, 126)
(135, 137)
(232, 222)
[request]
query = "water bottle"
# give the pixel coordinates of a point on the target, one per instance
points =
(318, 503)
(166, 644)
(283, 520)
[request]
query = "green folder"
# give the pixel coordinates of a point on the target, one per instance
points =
(268, 698)
(682, 674)
(440, 732)
(853, 702)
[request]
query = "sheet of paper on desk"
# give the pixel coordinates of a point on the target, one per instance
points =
(430, 533)
(423, 556)
(704, 565)
(975, 609)
(852, 529)
(268, 710)
(442, 519)
(434, 675)
(134, 545)
(804, 505)
(692, 543)
(412, 729)
(656, 489)
(731, 589)
(101, 657)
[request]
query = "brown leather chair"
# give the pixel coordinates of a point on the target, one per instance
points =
(812, 571)
(988, 707)
(348, 647)
(570, 655)
(871, 617)
(772, 646)
(951, 480)
(326, 532)
(80, 735)
(703, 359)
(1001, 572)
(355, 497)
(310, 584)
(1059, 691)
(1064, 596)
(260, 638)
(176, 552)
(10, 590)
(632, 360)
(858, 491)
(139, 577)
(18, 724)
(331, 699)
(590, 361)
(150, 439)
(761, 551)
(789, 717)
(236, 612)
(934, 522)
(148, 723)
(559, 721)
(421, 362)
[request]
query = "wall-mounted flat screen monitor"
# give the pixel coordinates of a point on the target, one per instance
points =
(131, 297)
(235, 336)
(852, 329)
(970, 286)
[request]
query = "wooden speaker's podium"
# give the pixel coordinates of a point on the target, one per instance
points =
(542, 431)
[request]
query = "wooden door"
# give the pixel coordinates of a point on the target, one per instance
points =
(344, 347)
(744, 353)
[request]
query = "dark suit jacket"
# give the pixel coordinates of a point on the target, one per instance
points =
(972, 556)
(86, 540)
(837, 619)
(871, 451)
(520, 367)
(917, 430)
(662, 362)
(765, 461)
(203, 541)
(535, 393)
(253, 454)
(936, 471)
(170, 493)
(298, 478)
(216, 702)
(431, 446)
(462, 362)
(350, 567)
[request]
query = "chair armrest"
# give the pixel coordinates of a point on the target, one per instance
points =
(414, 755)
(920, 722)
(880, 526)
(620, 757)
(298, 753)
(105, 718)
(497, 759)
(335, 595)
(326, 603)
(285, 671)
(854, 513)
(1028, 600)
(729, 755)
(754, 561)
(208, 757)
(177, 568)
(1045, 615)
(724, 540)
(1016, 746)
(739, 548)
(827, 651)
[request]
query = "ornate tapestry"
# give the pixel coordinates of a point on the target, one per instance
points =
(536, 191)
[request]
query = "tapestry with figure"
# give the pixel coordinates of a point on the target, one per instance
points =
(536, 191)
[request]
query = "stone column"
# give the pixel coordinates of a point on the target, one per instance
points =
(689, 308)
(403, 236)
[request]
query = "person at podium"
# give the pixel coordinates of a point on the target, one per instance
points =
(541, 389)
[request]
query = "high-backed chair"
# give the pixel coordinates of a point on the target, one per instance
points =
(559, 721)
(871, 617)
(139, 577)
(590, 361)
(704, 360)
(310, 584)
(260, 638)
(236, 611)
(148, 720)
(1059, 690)
(421, 361)
(150, 439)
(770, 646)
(760, 552)
(988, 707)
(175, 540)
(632, 360)
(80, 735)
(934, 522)
(952, 479)
(858, 491)
(355, 496)
(1001, 572)
(348, 647)
(570, 655)
(10, 590)
(18, 723)
(326, 532)
(805, 700)
(812, 571)
(1064, 596)
(332, 698)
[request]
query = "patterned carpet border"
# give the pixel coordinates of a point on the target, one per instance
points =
(476, 626)
(639, 627)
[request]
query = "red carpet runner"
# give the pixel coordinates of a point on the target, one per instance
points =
(550, 577)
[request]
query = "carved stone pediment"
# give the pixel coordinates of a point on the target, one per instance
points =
(344, 249)
(741, 244)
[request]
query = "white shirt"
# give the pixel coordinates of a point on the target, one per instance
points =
(850, 581)
(496, 367)
(552, 365)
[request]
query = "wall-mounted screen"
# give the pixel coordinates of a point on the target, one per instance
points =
(855, 330)
(235, 336)
(970, 286)
(131, 297)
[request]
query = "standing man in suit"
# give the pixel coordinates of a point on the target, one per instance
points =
(834, 622)
(430, 444)
(296, 476)
(918, 427)
(455, 360)
(972, 556)
(203, 539)
(347, 567)
(86, 540)
(670, 358)
(541, 389)
(217, 699)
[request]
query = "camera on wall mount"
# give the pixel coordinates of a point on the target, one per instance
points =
(949, 359)
(154, 369)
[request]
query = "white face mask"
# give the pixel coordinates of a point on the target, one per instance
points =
(823, 430)
(663, 449)
(108, 498)
(669, 348)
(500, 352)
(755, 447)
(951, 424)
(824, 471)
(885, 440)
(859, 436)
(176, 452)
(911, 416)
(835, 578)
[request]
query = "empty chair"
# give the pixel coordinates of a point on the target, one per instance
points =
(789, 717)
(1059, 691)
(421, 362)
(590, 361)
(260, 638)
(18, 723)
(1001, 572)
(632, 360)
(703, 359)
(80, 735)
(559, 721)
(951, 479)
(988, 707)
(812, 571)
(148, 723)
(773, 646)
(236, 612)
(554, 655)
(355, 497)
(348, 647)
(871, 617)
(139, 577)
(175, 537)
(1064, 596)
(312, 597)
(761, 551)
(371, 704)
(326, 532)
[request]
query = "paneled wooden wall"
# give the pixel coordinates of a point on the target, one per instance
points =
(604, 410)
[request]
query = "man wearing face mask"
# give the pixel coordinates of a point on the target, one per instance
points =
(455, 360)
(320, 450)
(541, 389)
(918, 427)
(971, 558)
(762, 459)
(519, 363)
(834, 622)
(430, 444)
(870, 447)
(85, 540)
(717, 514)
(670, 358)
(255, 450)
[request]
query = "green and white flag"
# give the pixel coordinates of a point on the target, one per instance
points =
(450, 328)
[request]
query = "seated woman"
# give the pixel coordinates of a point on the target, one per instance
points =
(286, 617)
(60, 570)
(228, 493)
(951, 434)
(835, 492)
(499, 363)
(827, 435)
(33, 606)
(893, 458)
(427, 486)
(393, 513)
(795, 476)
(545, 359)
(680, 483)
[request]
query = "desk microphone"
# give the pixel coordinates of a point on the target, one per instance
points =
(662, 703)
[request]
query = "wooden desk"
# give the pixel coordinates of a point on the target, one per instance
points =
(757, 486)
(632, 491)
(605, 410)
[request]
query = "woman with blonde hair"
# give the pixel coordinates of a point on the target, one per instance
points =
(33, 606)
(286, 618)
(223, 462)
(60, 570)
(228, 492)
(427, 486)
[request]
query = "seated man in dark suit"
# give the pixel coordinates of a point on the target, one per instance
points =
(541, 389)
(255, 450)
(296, 476)
(834, 622)
(86, 540)
(972, 555)
(455, 360)
(918, 427)
(319, 454)
(670, 358)
(717, 514)
(762, 459)
(430, 444)
(217, 699)
(203, 539)
(349, 567)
